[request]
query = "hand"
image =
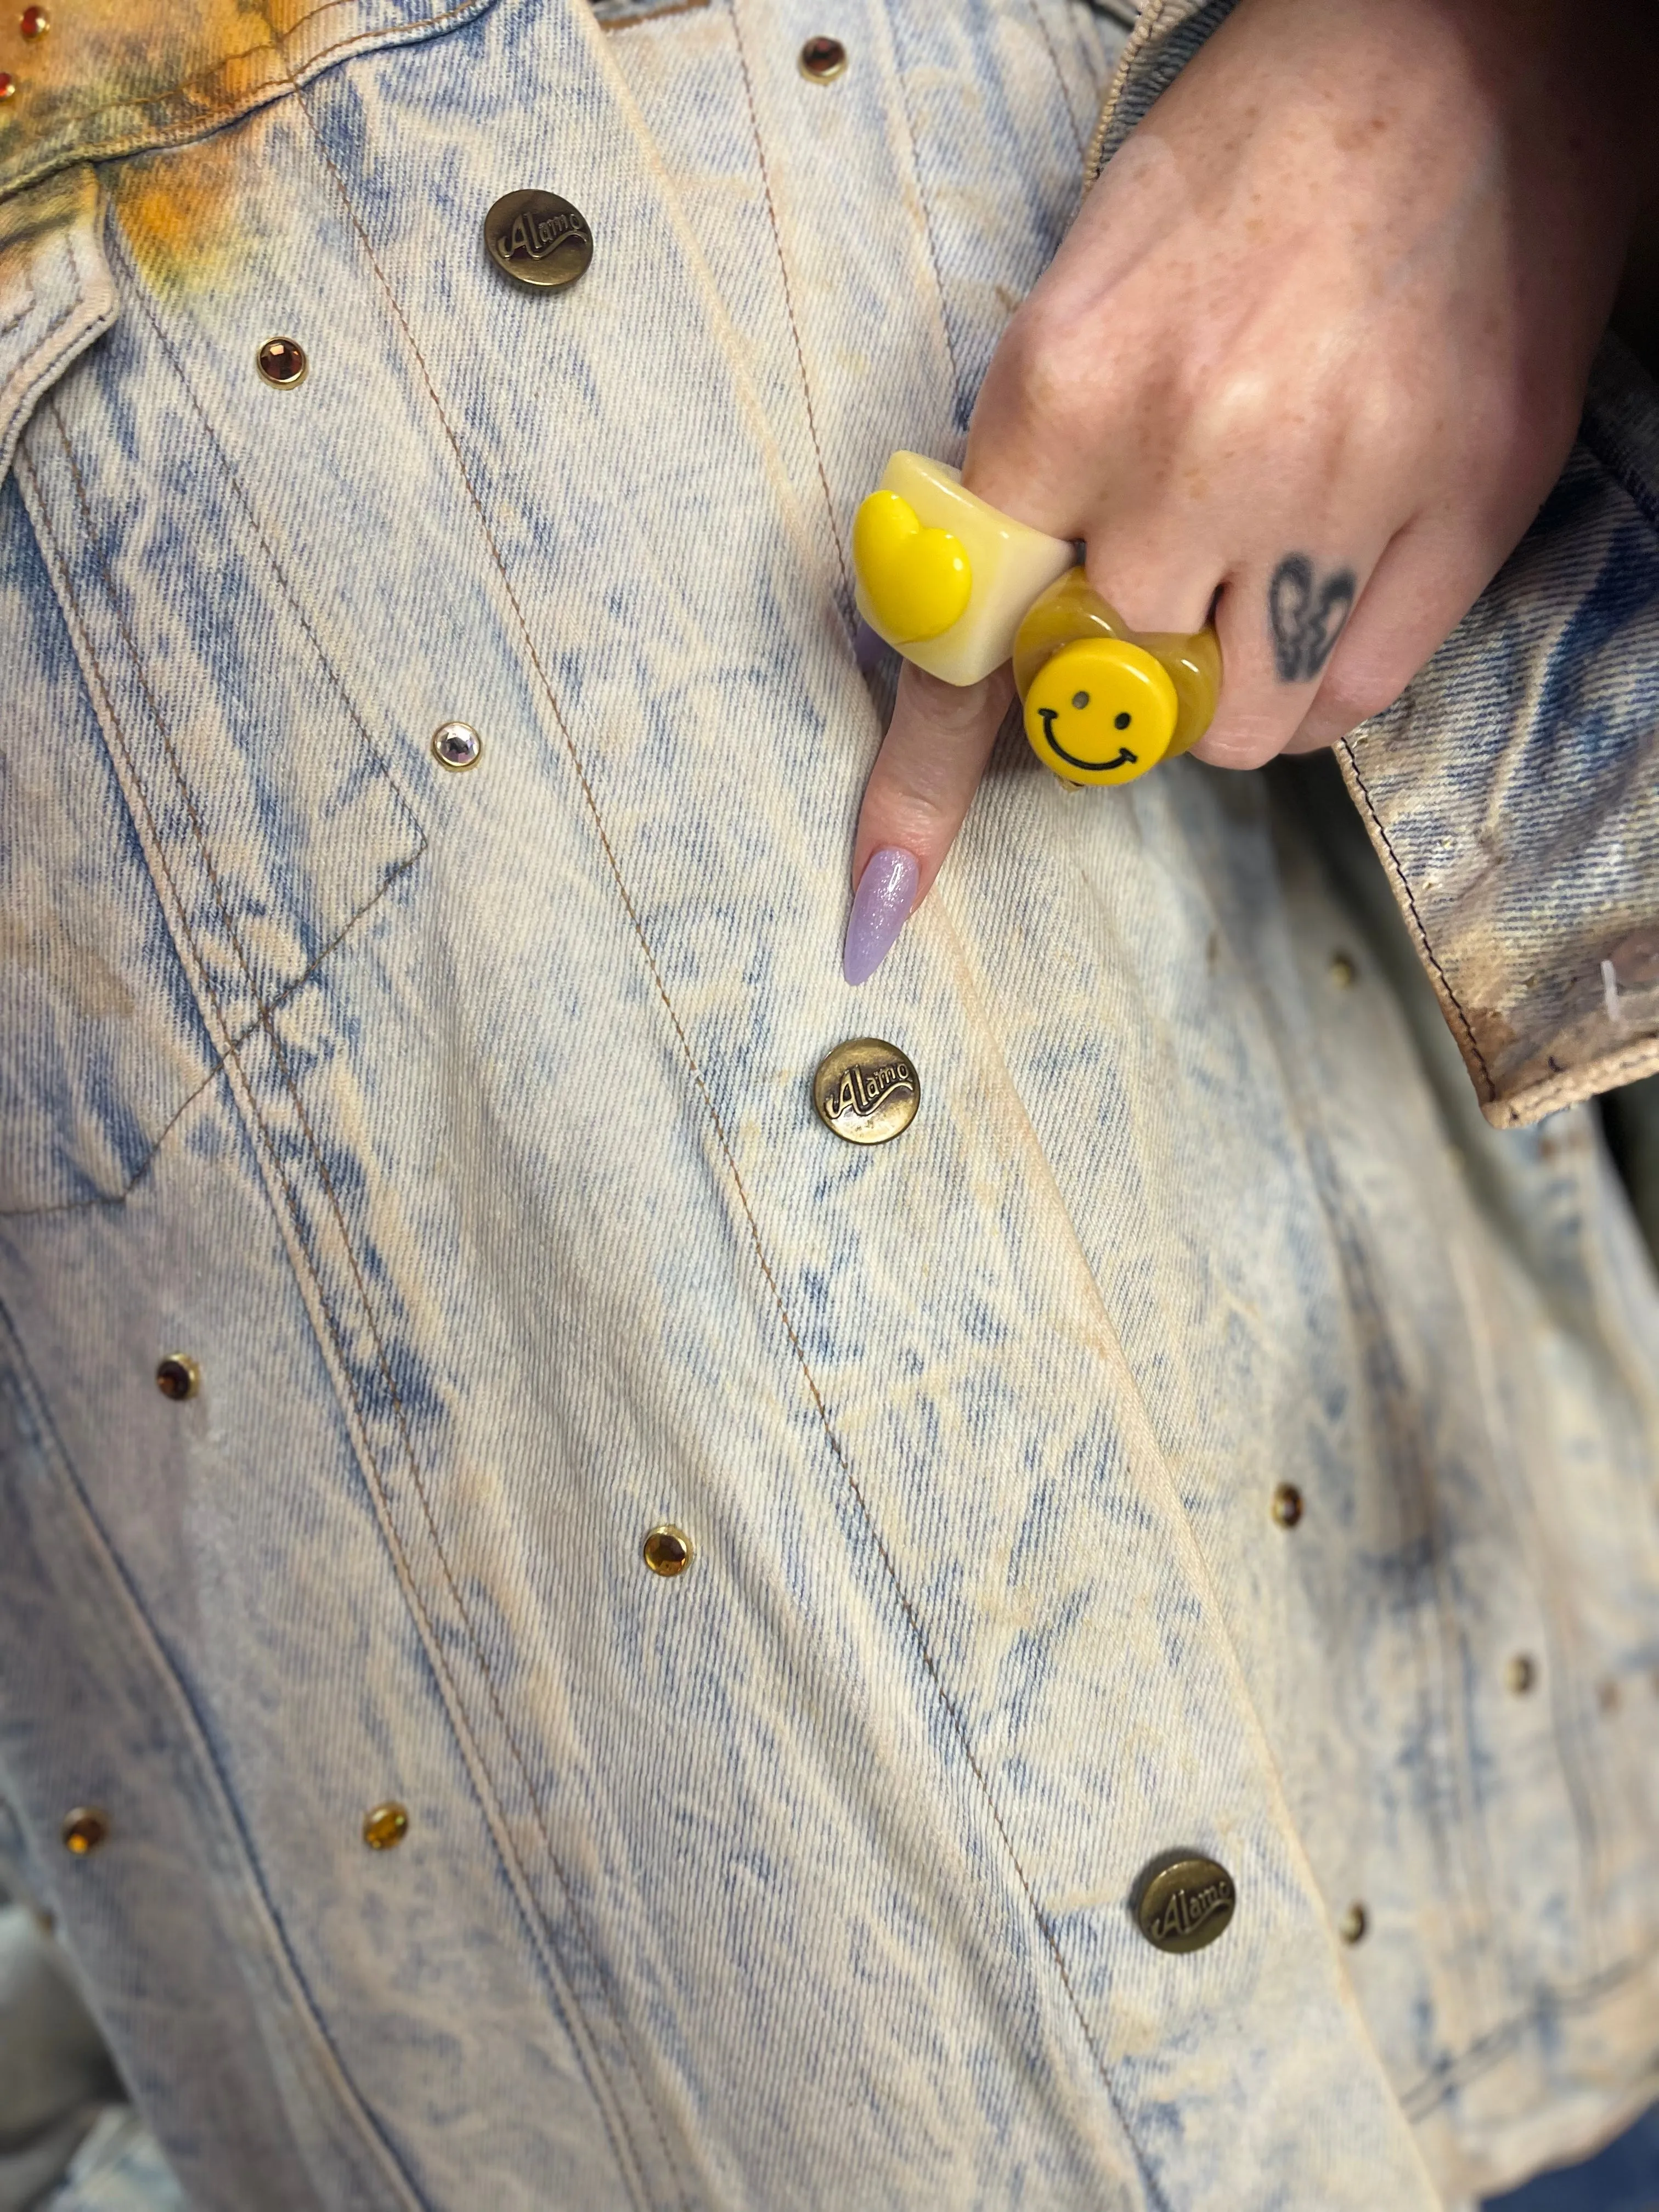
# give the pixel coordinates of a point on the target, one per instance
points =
(1307, 362)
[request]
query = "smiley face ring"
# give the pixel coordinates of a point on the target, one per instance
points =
(959, 588)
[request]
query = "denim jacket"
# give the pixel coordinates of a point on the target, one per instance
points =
(1199, 1431)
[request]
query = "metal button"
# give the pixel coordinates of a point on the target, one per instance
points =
(867, 1091)
(1343, 971)
(539, 239)
(283, 363)
(178, 1376)
(823, 60)
(35, 23)
(1287, 1505)
(1353, 1924)
(456, 744)
(84, 1829)
(668, 1550)
(385, 1828)
(1183, 1901)
(1521, 1674)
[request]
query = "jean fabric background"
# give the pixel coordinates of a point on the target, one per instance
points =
(459, 1127)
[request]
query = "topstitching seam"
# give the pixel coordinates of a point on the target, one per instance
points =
(335, 1328)
(302, 614)
(220, 1059)
(48, 1441)
(59, 155)
(358, 2108)
(788, 297)
(1041, 21)
(958, 1726)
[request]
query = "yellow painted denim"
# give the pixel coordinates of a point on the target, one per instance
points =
(459, 1127)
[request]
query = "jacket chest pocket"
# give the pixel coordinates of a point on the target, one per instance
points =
(198, 804)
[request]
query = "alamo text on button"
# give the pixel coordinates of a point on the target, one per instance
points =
(539, 239)
(866, 1091)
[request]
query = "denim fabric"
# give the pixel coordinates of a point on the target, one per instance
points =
(459, 1126)
(1623, 2177)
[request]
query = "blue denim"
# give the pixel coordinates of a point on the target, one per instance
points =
(1624, 2177)
(459, 1127)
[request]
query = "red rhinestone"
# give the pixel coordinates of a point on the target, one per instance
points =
(36, 23)
(7, 85)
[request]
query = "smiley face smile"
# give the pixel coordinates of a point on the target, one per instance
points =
(1050, 715)
(1084, 700)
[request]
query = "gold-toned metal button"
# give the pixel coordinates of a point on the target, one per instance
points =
(35, 23)
(823, 60)
(1521, 1674)
(178, 1376)
(1287, 1505)
(283, 363)
(84, 1829)
(456, 744)
(1183, 1901)
(1343, 971)
(385, 1828)
(1353, 1924)
(867, 1091)
(668, 1550)
(539, 239)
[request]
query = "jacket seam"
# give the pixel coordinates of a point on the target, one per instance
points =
(63, 157)
(220, 1059)
(358, 2106)
(233, 1055)
(957, 1725)
(336, 680)
(789, 303)
(1445, 2080)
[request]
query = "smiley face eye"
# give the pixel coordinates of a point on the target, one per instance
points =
(1079, 699)
(1121, 721)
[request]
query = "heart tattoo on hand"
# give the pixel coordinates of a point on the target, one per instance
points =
(1307, 617)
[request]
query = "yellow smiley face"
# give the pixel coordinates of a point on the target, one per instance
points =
(1101, 711)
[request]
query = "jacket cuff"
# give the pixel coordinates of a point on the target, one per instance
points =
(1512, 792)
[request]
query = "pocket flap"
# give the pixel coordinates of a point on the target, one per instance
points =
(57, 295)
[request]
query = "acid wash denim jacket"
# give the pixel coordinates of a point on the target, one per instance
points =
(1201, 1430)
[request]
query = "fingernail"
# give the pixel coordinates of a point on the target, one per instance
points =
(881, 907)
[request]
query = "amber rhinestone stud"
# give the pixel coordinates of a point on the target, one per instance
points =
(668, 1550)
(283, 363)
(386, 1826)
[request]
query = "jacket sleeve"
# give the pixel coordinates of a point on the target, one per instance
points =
(1512, 792)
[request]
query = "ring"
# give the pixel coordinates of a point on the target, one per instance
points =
(958, 587)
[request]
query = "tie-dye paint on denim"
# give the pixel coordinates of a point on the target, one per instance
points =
(459, 1128)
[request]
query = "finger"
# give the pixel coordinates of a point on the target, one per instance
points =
(1279, 624)
(918, 796)
(1425, 584)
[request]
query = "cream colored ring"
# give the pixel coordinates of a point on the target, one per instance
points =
(969, 594)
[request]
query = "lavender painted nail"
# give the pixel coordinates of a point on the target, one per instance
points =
(881, 907)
